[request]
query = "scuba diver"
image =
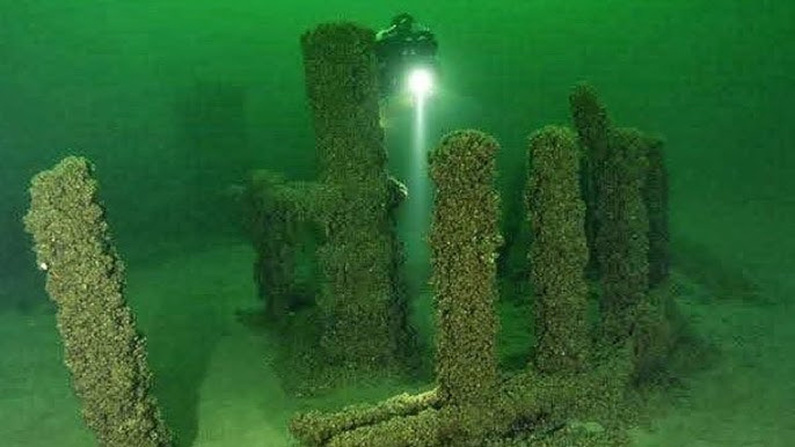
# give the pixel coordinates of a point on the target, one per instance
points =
(403, 46)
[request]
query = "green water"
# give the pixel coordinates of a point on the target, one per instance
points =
(176, 101)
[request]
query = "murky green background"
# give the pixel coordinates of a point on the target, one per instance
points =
(129, 85)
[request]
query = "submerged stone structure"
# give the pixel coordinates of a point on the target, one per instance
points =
(464, 238)
(571, 383)
(625, 187)
(599, 199)
(103, 350)
(284, 225)
(345, 220)
(469, 405)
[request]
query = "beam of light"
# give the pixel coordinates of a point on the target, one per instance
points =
(419, 150)
(418, 212)
(415, 213)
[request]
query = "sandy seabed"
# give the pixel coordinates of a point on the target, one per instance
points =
(218, 389)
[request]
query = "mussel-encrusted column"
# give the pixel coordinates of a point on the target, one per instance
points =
(623, 233)
(655, 194)
(593, 128)
(283, 223)
(464, 239)
(85, 277)
(559, 252)
(362, 316)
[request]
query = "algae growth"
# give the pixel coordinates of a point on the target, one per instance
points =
(328, 266)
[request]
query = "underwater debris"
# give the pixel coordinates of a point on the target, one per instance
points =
(103, 350)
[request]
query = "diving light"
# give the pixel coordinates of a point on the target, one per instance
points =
(420, 82)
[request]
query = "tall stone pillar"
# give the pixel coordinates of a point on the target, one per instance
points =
(363, 316)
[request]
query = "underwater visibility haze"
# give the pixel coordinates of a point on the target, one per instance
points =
(255, 224)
